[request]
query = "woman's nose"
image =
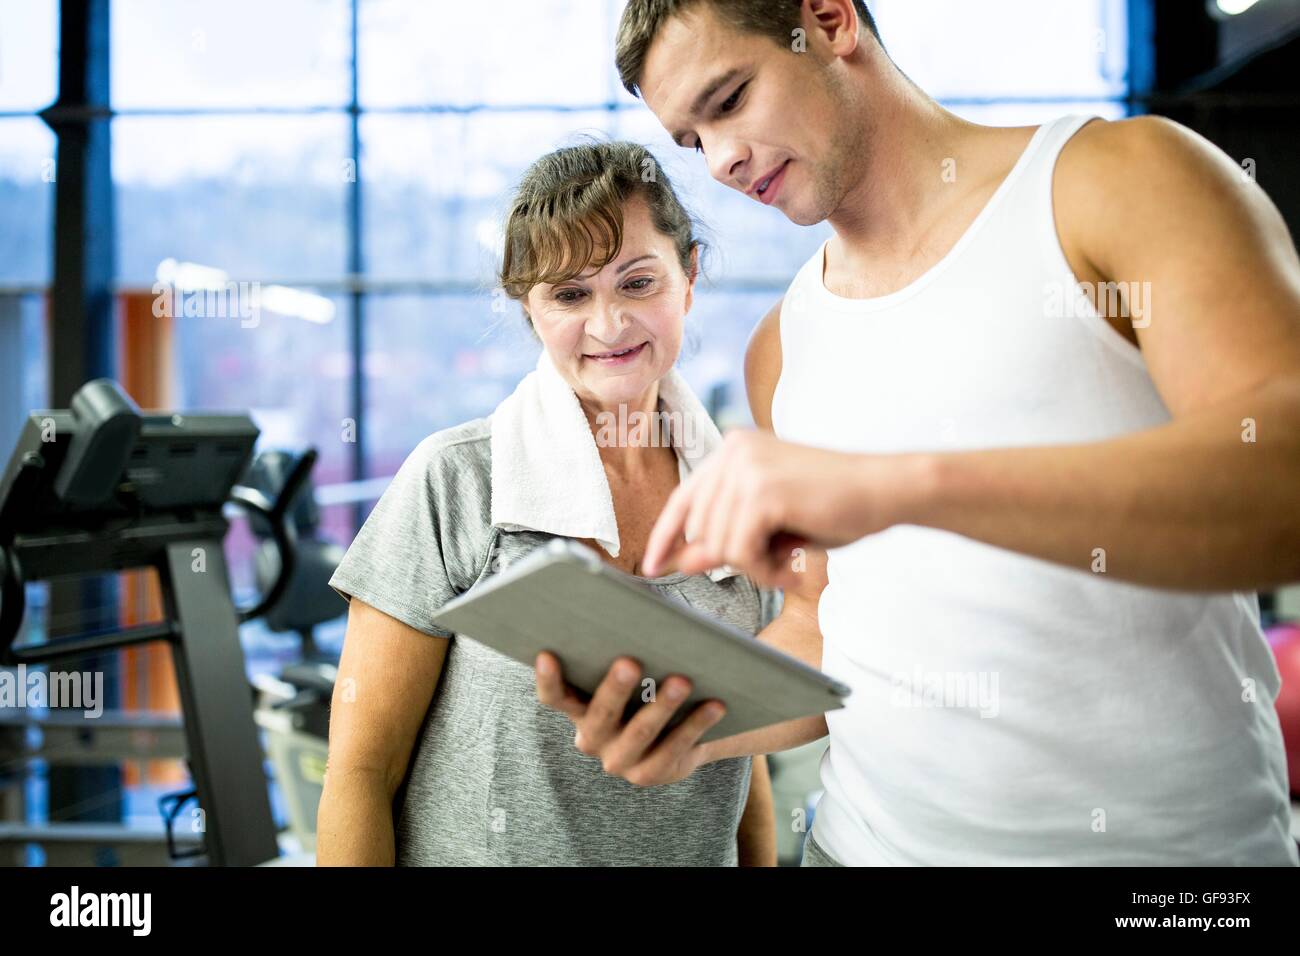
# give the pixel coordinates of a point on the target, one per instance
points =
(607, 322)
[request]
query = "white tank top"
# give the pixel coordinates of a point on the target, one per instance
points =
(1005, 709)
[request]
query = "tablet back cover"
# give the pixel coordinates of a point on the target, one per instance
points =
(564, 599)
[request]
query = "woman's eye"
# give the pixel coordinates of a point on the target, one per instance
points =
(568, 295)
(638, 285)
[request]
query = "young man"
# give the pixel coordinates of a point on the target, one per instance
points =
(1039, 396)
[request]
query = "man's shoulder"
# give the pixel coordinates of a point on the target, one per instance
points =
(1142, 179)
(765, 340)
(763, 364)
(763, 351)
(1140, 145)
(1123, 166)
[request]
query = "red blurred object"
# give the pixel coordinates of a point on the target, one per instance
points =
(1285, 641)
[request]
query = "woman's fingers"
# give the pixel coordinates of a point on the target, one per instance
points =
(633, 750)
(604, 717)
(670, 760)
(630, 746)
(552, 691)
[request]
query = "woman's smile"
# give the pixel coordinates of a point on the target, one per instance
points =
(617, 357)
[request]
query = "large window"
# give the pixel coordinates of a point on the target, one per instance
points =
(234, 149)
(363, 151)
(28, 66)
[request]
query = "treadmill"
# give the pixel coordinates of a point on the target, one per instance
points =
(101, 487)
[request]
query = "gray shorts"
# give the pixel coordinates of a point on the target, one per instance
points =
(814, 855)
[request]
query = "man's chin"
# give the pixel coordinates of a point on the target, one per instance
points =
(801, 216)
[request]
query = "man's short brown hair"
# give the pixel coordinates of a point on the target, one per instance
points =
(642, 20)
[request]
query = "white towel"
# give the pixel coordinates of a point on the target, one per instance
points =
(546, 470)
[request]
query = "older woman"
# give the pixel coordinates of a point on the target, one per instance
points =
(440, 753)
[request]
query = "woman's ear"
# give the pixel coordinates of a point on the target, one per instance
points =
(528, 316)
(692, 276)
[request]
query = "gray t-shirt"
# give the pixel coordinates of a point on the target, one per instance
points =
(494, 778)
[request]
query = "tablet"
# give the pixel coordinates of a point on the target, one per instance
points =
(563, 598)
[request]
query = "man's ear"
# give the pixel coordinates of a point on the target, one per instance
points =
(835, 22)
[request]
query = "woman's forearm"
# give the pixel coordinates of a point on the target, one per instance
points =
(387, 676)
(770, 739)
(796, 633)
(354, 824)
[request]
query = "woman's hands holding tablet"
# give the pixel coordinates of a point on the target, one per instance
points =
(637, 750)
(632, 749)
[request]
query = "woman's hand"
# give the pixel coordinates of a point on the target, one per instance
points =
(629, 750)
(632, 749)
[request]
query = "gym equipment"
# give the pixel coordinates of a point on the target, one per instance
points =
(101, 487)
(1285, 642)
(307, 600)
(293, 706)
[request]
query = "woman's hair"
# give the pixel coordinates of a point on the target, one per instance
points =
(567, 215)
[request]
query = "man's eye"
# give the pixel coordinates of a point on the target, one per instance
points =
(730, 102)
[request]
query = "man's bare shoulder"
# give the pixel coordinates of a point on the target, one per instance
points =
(763, 365)
(1145, 147)
(1116, 175)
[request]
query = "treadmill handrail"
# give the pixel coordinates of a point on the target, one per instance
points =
(282, 529)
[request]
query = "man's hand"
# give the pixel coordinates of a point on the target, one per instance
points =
(757, 500)
(629, 750)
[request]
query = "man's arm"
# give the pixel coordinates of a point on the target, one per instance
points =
(795, 630)
(1207, 501)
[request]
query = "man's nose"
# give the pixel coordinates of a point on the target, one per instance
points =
(727, 163)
